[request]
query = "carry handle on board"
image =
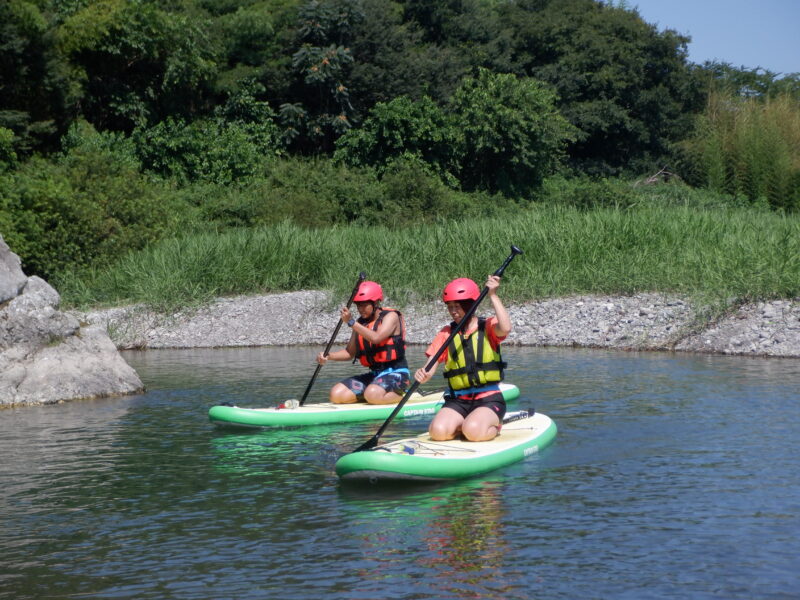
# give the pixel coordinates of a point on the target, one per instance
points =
(361, 277)
(373, 441)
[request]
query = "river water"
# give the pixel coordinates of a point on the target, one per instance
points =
(672, 476)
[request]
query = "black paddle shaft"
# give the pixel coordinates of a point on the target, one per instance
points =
(361, 277)
(373, 441)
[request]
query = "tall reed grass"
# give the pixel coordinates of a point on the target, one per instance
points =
(750, 147)
(725, 254)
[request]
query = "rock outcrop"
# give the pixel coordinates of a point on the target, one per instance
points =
(46, 356)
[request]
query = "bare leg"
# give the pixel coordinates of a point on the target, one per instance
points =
(375, 394)
(341, 394)
(481, 425)
(445, 425)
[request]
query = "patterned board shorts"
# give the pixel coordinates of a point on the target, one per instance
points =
(396, 381)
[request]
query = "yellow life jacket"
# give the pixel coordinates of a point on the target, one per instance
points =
(472, 362)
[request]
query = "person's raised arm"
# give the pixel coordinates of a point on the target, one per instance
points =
(503, 326)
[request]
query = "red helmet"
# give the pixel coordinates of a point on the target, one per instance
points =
(369, 291)
(461, 289)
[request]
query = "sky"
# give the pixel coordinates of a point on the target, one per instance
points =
(748, 33)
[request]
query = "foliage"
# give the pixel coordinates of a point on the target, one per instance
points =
(324, 64)
(586, 193)
(500, 134)
(404, 127)
(83, 138)
(314, 192)
(88, 208)
(749, 147)
(245, 36)
(308, 192)
(415, 194)
(512, 132)
(391, 58)
(135, 62)
(208, 150)
(321, 64)
(434, 111)
(626, 87)
(725, 78)
(33, 78)
(8, 158)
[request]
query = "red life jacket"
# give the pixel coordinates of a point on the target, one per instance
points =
(391, 353)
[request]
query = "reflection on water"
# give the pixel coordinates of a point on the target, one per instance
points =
(468, 543)
(455, 532)
(673, 476)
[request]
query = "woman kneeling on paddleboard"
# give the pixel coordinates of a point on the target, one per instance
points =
(474, 405)
(379, 342)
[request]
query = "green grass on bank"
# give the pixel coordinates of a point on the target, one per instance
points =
(711, 254)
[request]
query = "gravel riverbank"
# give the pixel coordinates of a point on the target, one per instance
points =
(640, 322)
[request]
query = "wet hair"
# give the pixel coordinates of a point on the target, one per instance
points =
(466, 305)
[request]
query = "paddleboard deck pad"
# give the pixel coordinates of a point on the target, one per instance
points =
(224, 415)
(422, 459)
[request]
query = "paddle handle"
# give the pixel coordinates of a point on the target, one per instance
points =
(361, 277)
(373, 441)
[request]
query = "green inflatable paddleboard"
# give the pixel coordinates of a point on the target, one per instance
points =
(422, 459)
(317, 414)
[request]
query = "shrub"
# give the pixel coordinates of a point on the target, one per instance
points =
(207, 150)
(86, 209)
(402, 128)
(8, 158)
(587, 193)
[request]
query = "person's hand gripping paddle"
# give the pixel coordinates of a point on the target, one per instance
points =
(373, 441)
(295, 403)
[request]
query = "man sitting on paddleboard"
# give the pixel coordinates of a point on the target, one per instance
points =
(379, 342)
(474, 405)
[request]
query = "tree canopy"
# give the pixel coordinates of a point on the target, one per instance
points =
(413, 104)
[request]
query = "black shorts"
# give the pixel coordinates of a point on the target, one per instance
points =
(464, 407)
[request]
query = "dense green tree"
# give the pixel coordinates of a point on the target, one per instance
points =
(750, 83)
(627, 87)
(8, 157)
(234, 144)
(320, 109)
(137, 62)
(469, 25)
(392, 59)
(499, 133)
(513, 133)
(250, 42)
(404, 127)
(35, 89)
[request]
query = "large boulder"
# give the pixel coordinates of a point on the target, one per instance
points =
(46, 356)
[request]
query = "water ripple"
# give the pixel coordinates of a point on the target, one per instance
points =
(673, 476)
